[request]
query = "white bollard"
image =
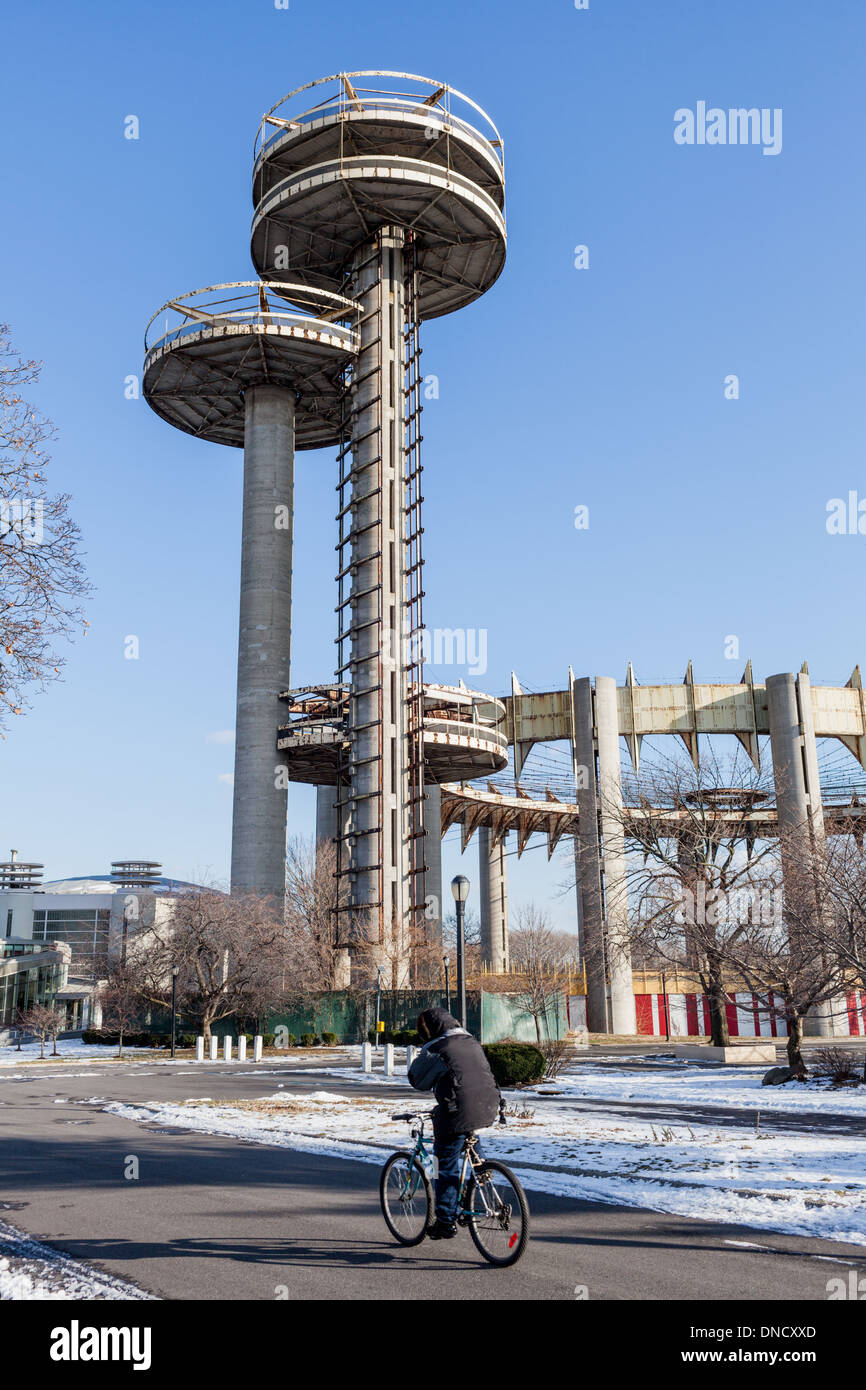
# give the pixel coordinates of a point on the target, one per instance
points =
(257, 1047)
(242, 1047)
(389, 1059)
(199, 1049)
(214, 1047)
(410, 1055)
(227, 1048)
(366, 1056)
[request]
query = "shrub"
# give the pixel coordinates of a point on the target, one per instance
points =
(329, 1039)
(268, 1039)
(515, 1064)
(556, 1053)
(308, 1040)
(837, 1064)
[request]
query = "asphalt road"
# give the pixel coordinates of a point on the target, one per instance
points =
(215, 1218)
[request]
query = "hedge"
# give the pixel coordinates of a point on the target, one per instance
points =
(515, 1064)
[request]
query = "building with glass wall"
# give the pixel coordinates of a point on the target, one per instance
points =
(56, 938)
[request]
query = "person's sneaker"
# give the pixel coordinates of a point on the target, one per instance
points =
(441, 1230)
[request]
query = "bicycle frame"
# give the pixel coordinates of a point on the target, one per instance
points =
(420, 1156)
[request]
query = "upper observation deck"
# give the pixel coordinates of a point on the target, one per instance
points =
(415, 154)
(204, 349)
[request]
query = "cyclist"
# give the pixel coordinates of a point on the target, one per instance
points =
(453, 1066)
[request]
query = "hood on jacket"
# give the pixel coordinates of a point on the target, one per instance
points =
(437, 1022)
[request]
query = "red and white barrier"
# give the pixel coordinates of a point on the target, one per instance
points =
(688, 1015)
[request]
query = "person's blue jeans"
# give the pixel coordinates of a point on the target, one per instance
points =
(449, 1154)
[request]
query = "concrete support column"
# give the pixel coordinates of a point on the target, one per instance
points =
(433, 860)
(614, 880)
(798, 800)
(326, 814)
(589, 857)
(264, 639)
(578, 903)
(601, 858)
(494, 901)
(379, 792)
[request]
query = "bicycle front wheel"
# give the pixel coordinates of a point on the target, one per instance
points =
(498, 1214)
(406, 1197)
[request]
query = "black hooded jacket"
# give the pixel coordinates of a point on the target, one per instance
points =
(452, 1065)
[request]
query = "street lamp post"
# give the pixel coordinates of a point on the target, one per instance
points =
(175, 971)
(460, 889)
(665, 999)
(378, 1001)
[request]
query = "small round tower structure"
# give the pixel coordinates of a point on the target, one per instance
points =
(234, 364)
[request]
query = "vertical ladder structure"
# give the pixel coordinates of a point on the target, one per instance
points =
(418, 830)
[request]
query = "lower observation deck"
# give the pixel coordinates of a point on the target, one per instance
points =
(317, 219)
(218, 342)
(462, 739)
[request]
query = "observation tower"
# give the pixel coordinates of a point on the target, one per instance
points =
(390, 194)
(378, 203)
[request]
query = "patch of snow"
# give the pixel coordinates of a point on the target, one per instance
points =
(30, 1270)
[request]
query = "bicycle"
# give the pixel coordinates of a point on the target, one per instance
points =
(490, 1200)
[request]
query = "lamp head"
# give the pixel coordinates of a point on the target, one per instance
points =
(460, 888)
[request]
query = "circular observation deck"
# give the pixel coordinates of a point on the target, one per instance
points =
(462, 739)
(326, 178)
(421, 119)
(204, 349)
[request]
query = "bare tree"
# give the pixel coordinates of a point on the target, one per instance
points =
(43, 581)
(791, 967)
(45, 1022)
(233, 953)
(314, 925)
(694, 870)
(845, 889)
(536, 957)
(122, 996)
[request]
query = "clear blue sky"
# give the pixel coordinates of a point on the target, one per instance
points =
(601, 387)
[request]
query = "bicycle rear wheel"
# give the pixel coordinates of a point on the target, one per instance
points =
(498, 1214)
(406, 1197)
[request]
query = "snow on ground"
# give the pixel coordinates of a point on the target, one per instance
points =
(688, 1084)
(793, 1181)
(74, 1049)
(66, 1048)
(30, 1270)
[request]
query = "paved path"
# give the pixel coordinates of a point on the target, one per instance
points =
(222, 1219)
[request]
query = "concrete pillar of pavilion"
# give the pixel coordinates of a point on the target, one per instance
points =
(601, 861)
(494, 901)
(798, 801)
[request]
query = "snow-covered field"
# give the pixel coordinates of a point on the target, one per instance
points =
(73, 1049)
(794, 1181)
(30, 1270)
(67, 1048)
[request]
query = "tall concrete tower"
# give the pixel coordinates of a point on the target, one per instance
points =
(392, 195)
(235, 364)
